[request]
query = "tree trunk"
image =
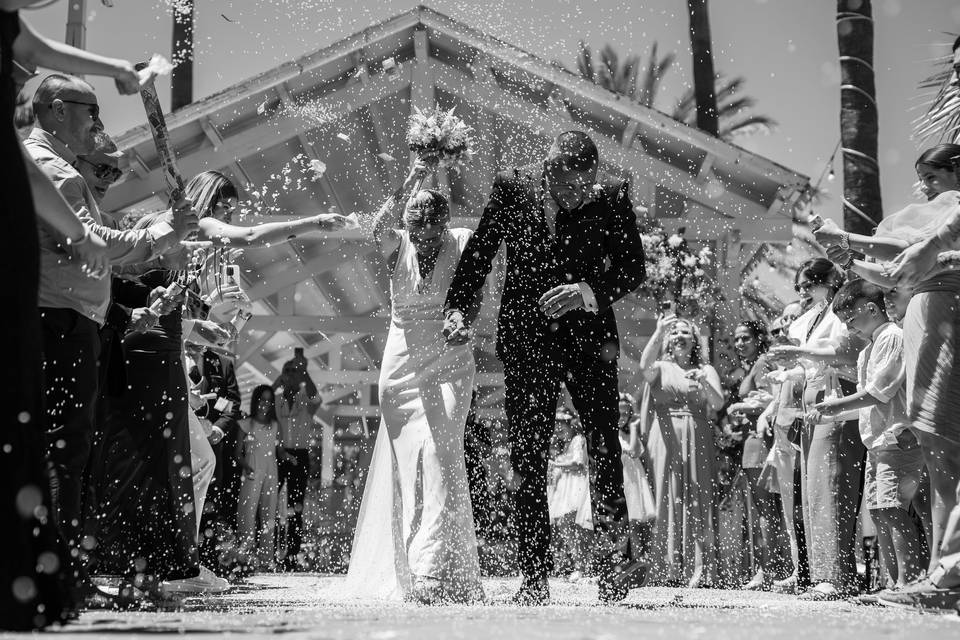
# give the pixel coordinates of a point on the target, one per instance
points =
(704, 78)
(181, 80)
(859, 121)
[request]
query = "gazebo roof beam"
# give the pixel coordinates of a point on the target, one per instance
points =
(456, 82)
(253, 139)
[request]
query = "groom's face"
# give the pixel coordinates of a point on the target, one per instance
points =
(568, 187)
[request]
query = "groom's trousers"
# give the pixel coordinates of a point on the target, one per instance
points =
(532, 388)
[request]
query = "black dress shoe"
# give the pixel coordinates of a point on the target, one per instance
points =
(532, 593)
(620, 578)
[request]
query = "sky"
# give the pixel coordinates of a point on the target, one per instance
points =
(785, 49)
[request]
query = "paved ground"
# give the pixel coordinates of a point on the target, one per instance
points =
(307, 606)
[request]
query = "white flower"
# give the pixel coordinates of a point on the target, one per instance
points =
(690, 261)
(675, 241)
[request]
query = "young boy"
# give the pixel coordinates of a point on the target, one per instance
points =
(893, 456)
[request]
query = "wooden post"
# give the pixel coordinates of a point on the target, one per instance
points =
(77, 24)
(181, 80)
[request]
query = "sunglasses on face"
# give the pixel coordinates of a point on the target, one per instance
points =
(103, 171)
(94, 108)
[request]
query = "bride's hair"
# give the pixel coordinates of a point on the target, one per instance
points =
(428, 206)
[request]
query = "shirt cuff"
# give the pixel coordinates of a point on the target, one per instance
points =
(589, 300)
(162, 238)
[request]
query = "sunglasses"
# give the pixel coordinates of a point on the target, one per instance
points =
(103, 171)
(94, 108)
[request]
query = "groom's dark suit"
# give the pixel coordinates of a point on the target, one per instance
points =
(599, 244)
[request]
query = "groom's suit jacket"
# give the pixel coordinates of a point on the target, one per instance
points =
(597, 243)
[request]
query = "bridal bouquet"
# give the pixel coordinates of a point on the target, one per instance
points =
(677, 273)
(441, 134)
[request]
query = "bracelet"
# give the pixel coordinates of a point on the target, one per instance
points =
(844, 240)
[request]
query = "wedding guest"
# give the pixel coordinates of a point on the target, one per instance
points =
(146, 511)
(931, 335)
(916, 237)
(569, 504)
(74, 305)
(682, 392)
(257, 451)
(215, 199)
(832, 455)
(213, 375)
(297, 403)
(641, 508)
(893, 454)
(779, 418)
(36, 558)
(753, 397)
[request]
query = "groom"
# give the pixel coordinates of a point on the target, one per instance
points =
(573, 249)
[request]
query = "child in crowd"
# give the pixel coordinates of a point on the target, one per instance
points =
(893, 455)
(641, 507)
(569, 501)
(257, 451)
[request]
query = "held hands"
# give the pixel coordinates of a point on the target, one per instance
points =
(559, 300)
(455, 331)
(842, 257)
(823, 412)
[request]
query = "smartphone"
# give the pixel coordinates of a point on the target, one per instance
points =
(666, 307)
(230, 272)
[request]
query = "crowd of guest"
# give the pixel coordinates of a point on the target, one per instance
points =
(125, 449)
(836, 424)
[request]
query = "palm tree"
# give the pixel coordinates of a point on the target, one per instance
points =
(704, 77)
(626, 79)
(859, 121)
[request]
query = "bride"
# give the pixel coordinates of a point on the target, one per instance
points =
(415, 537)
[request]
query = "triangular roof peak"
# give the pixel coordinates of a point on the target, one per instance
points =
(421, 57)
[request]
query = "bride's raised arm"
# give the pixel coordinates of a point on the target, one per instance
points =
(390, 216)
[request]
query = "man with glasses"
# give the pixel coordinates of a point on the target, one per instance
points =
(73, 303)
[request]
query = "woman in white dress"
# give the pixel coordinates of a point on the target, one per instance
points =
(415, 536)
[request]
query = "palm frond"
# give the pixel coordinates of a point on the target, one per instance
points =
(585, 62)
(941, 120)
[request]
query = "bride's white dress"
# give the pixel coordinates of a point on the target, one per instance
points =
(415, 518)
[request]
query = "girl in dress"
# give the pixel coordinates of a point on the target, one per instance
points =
(682, 394)
(257, 451)
(641, 508)
(569, 502)
(415, 536)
